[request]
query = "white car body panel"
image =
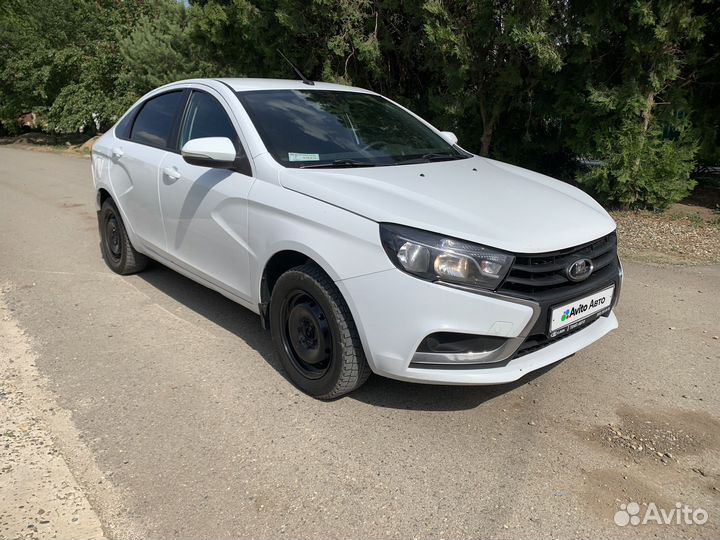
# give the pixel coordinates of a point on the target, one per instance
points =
(474, 199)
(221, 228)
(344, 244)
(216, 148)
(134, 181)
(395, 328)
(205, 212)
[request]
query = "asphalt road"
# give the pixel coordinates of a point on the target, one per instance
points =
(176, 399)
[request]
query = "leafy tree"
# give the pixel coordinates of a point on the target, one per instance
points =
(626, 62)
(45, 45)
(332, 33)
(324, 38)
(490, 56)
(60, 60)
(80, 64)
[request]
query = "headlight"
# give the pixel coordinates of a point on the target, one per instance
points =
(435, 257)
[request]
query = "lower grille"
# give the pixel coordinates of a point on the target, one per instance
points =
(539, 341)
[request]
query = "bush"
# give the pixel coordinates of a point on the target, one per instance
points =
(641, 169)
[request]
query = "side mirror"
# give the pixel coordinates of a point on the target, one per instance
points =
(218, 152)
(450, 137)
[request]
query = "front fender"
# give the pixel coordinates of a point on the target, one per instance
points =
(343, 244)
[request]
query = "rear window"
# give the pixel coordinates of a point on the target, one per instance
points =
(122, 129)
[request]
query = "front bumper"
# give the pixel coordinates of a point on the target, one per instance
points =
(394, 312)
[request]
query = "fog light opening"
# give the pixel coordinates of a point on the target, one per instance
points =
(454, 343)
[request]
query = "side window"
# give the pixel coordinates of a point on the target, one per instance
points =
(205, 117)
(153, 124)
(122, 129)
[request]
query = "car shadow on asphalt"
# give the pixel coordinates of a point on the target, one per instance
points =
(378, 391)
(393, 394)
(213, 306)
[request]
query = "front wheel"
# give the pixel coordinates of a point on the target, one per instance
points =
(314, 334)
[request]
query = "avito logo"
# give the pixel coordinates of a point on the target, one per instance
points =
(629, 514)
(581, 308)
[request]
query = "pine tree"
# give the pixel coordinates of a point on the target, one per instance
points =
(628, 61)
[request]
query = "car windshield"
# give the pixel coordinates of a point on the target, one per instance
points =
(334, 129)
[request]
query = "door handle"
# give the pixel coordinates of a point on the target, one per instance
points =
(172, 173)
(117, 153)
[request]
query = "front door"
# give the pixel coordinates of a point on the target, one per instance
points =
(205, 210)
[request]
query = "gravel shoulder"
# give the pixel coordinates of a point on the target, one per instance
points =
(680, 236)
(40, 497)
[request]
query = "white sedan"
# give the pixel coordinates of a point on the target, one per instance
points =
(366, 239)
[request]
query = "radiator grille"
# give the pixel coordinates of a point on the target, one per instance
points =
(538, 273)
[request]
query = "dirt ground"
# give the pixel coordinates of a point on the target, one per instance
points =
(40, 497)
(149, 406)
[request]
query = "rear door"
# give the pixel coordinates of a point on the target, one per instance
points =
(135, 165)
(205, 210)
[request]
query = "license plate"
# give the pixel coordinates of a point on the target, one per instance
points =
(570, 316)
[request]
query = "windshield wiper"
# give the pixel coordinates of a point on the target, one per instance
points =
(427, 158)
(338, 163)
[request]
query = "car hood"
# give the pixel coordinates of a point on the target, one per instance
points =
(476, 199)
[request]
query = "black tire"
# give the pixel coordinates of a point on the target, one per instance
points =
(117, 251)
(314, 334)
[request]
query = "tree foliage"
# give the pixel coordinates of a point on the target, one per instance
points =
(631, 85)
(634, 113)
(61, 60)
(160, 48)
(491, 56)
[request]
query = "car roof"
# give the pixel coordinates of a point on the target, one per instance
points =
(244, 85)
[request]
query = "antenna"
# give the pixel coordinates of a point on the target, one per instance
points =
(303, 78)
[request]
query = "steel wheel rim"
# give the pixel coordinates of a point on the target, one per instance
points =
(112, 237)
(306, 334)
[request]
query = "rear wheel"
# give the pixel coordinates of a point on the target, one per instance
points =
(117, 251)
(314, 334)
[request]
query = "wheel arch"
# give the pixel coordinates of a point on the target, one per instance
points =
(280, 262)
(102, 194)
(100, 197)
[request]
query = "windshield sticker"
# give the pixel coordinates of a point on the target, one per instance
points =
(295, 156)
